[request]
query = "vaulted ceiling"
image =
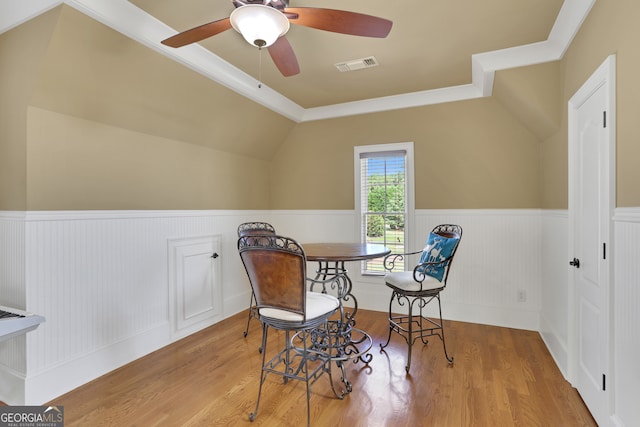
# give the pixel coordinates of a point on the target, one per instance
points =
(436, 51)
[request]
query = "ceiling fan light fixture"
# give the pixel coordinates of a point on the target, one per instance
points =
(260, 25)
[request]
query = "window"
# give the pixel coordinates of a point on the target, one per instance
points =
(384, 197)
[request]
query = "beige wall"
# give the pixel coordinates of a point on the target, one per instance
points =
(611, 28)
(94, 120)
(21, 52)
(81, 165)
(112, 125)
(469, 154)
(554, 173)
(533, 95)
(93, 72)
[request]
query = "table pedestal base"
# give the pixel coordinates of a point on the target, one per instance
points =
(353, 344)
(347, 341)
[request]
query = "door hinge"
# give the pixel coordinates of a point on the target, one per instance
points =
(604, 251)
(604, 119)
(604, 382)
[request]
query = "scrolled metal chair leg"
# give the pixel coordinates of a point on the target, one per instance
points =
(251, 304)
(263, 374)
(410, 336)
(422, 303)
(287, 359)
(306, 373)
(444, 344)
(382, 346)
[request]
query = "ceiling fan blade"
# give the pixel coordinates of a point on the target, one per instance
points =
(198, 33)
(284, 57)
(341, 21)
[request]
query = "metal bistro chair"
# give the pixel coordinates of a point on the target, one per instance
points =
(250, 229)
(418, 287)
(276, 267)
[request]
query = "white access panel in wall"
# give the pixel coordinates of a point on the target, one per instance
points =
(195, 288)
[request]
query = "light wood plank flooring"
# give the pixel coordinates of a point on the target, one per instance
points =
(501, 377)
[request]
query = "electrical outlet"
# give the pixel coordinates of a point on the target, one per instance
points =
(522, 295)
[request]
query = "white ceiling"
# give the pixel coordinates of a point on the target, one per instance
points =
(436, 52)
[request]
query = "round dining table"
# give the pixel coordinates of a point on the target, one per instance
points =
(342, 252)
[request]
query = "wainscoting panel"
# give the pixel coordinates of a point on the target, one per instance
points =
(101, 279)
(496, 274)
(13, 353)
(498, 261)
(626, 316)
(554, 286)
(12, 260)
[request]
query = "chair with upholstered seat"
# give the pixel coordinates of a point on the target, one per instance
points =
(276, 267)
(249, 229)
(413, 290)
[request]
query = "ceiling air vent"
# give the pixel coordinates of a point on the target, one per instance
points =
(357, 64)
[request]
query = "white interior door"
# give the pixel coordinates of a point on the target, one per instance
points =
(591, 203)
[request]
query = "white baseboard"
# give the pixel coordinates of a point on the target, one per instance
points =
(556, 347)
(46, 386)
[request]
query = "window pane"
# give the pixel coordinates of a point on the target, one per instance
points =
(383, 203)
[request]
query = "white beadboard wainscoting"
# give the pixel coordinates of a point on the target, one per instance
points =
(13, 360)
(103, 280)
(498, 259)
(626, 317)
(554, 286)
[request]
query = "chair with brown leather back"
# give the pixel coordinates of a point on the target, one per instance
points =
(276, 267)
(250, 229)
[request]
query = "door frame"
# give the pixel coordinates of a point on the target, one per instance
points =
(603, 76)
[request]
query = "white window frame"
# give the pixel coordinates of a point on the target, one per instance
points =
(409, 188)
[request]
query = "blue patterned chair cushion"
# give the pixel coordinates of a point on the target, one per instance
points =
(438, 248)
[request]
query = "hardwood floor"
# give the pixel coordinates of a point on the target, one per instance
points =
(501, 377)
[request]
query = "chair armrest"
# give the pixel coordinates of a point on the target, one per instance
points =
(390, 260)
(419, 270)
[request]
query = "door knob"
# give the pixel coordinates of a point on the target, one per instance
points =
(575, 263)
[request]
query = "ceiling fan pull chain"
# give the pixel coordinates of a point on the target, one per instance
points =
(259, 68)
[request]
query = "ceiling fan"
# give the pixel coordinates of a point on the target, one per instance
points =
(264, 23)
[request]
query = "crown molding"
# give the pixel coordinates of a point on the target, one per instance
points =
(124, 17)
(16, 12)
